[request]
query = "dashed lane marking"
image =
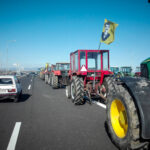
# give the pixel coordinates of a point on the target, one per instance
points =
(14, 136)
(29, 87)
(100, 104)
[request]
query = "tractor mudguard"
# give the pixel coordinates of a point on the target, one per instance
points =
(139, 89)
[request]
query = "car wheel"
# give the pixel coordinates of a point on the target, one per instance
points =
(16, 99)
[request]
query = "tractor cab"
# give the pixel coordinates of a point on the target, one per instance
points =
(115, 70)
(90, 63)
(145, 68)
(53, 67)
(62, 68)
(125, 71)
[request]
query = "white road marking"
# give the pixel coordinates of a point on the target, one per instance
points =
(29, 87)
(31, 80)
(14, 137)
(100, 104)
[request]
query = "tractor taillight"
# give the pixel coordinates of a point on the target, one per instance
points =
(11, 90)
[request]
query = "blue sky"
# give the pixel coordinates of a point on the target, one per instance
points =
(48, 30)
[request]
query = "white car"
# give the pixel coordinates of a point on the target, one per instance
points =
(10, 88)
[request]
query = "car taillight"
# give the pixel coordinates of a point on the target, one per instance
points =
(11, 90)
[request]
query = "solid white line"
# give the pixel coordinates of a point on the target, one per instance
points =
(29, 87)
(100, 104)
(14, 137)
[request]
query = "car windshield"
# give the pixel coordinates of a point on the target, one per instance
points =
(5, 81)
(62, 67)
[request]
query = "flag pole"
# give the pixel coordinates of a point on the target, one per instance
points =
(99, 46)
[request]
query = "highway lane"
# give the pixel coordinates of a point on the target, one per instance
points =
(49, 121)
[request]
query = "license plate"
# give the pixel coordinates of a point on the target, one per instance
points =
(2, 91)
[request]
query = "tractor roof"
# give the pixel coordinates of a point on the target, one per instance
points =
(126, 67)
(146, 61)
(62, 63)
(89, 50)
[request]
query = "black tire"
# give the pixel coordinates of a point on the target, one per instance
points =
(131, 138)
(109, 86)
(55, 83)
(49, 80)
(46, 78)
(68, 91)
(51, 75)
(20, 95)
(42, 76)
(77, 90)
(16, 99)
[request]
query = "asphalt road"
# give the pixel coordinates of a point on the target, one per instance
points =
(49, 121)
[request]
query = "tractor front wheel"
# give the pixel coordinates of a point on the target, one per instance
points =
(123, 121)
(77, 90)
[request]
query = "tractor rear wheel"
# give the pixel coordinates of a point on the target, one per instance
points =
(77, 90)
(107, 87)
(51, 75)
(46, 78)
(123, 120)
(55, 82)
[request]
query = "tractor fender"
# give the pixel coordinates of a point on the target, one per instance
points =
(139, 88)
(57, 72)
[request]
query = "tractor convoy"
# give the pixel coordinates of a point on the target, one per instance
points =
(88, 77)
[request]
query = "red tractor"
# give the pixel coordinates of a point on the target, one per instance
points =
(89, 75)
(59, 76)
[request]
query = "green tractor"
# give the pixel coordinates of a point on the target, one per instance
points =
(125, 71)
(115, 70)
(128, 111)
(145, 68)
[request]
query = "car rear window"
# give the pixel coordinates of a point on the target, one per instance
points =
(6, 81)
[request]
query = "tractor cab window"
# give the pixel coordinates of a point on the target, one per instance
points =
(49, 69)
(82, 59)
(94, 62)
(126, 69)
(76, 61)
(62, 67)
(54, 68)
(105, 61)
(71, 62)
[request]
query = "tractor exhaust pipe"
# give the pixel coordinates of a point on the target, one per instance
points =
(94, 82)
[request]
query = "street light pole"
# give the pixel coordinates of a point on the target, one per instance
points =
(7, 55)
